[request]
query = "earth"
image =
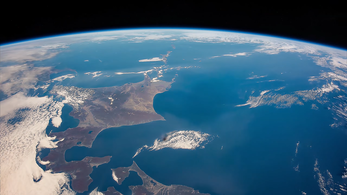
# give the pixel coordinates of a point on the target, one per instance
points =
(172, 111)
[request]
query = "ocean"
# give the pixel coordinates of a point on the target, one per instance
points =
(251, 151)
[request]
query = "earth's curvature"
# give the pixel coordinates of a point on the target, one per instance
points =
(172, 111)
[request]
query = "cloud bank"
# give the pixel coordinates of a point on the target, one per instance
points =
(19, 143)
(184, 139)
(20, 78)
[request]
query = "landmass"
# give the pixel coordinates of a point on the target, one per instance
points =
(150, 186)
(79, 170)
(98, 109)
(111, 191)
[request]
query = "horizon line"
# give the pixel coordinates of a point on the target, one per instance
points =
(167, 28)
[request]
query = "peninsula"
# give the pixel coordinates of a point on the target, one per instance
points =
(98, 109)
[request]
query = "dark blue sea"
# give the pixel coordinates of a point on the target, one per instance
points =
(258, 154)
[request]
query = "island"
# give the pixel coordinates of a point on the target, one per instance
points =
(98, 109)
(150, 186)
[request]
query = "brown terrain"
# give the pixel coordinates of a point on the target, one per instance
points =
(106, 107)
(111, 191)
(80, 171)
(151, 186)
(120, 173)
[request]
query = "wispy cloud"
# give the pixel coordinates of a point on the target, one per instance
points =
(286, 100)
(237, 54)
(61, 78)
(95, 74)
(214, 57)
(254, 101)
(146, 37)
(155, 59)
(230, 55)
(297, 148)
(104, 38)
(326, 182)
(257, 77)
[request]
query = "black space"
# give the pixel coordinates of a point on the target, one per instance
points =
(324, 23)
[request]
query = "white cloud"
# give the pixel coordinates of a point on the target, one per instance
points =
(104, 38)
(338, 75)
(48, 142)
(110, 98)
(95, 74)
(256, 77)
(314, 107)
(61, 78)
(286, 100)
(73, 95)
(30, 52)
(297, 148)
(214, 57)
(159, 70)
(230, 55)
(96, 192)
(56, 121)
(339, 106)
(120, 73)
(146, 37)
(319, 94)
(275, 47)
(297, 168)
(215, 36)
(20, 77)
(339, 62)
(321, 179)
(114, 176)
(279, 88)
(326, 182)
(184, 139)
(271, 45)
(344, 175)
(155, 59)
(140, 72)
(155, 79)
(18, 144)
(273, 80)
(237, 54)
(254, 101)
(17, 101)
(329, 87)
